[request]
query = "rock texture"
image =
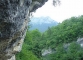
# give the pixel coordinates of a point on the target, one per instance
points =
(14, 16)
(80, 41)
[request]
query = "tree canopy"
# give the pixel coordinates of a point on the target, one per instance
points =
(55, 37)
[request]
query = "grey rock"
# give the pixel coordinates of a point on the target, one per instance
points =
(46, 51)
(14, 16)
(80, 41)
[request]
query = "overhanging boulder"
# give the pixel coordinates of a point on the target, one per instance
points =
(14, 16)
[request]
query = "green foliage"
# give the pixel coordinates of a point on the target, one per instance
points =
(74, 52)
(25, 54)
(66, 32)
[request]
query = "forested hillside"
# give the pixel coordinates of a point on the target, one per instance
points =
(54, 38)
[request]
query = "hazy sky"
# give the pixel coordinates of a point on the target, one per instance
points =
(67, 9)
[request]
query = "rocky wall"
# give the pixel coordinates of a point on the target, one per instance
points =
(14, 16)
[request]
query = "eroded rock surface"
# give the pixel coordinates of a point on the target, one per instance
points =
(80, 41)
(14, 16)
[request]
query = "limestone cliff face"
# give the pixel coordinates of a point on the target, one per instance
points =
(14, 16)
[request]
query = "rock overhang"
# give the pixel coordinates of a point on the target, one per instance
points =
(14, 15)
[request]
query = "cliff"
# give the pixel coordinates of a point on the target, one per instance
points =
(14, 16)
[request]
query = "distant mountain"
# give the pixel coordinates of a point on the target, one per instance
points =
(42, 23)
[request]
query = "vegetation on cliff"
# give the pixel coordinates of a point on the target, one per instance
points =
(55, 37)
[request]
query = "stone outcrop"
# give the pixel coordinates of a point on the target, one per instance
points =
(14, 16)
(80, 41)
(47, 51)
